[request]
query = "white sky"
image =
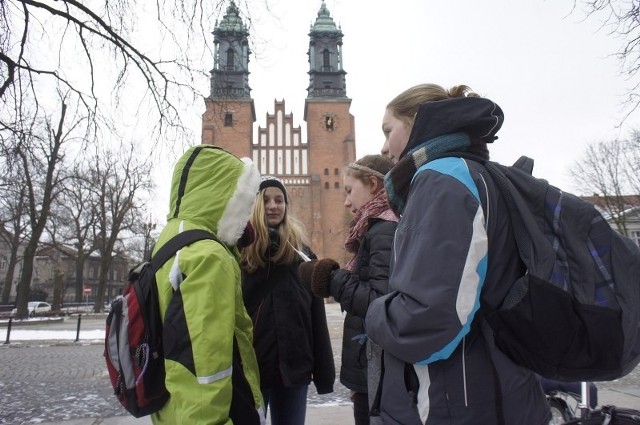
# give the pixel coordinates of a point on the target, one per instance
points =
(552, 72)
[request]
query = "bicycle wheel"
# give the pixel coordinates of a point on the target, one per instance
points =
(559, 414)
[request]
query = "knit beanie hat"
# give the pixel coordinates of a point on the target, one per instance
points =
(272, 181)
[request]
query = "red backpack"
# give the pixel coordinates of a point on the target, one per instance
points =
(133, 341)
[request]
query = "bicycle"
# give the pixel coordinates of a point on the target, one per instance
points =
(572, 407)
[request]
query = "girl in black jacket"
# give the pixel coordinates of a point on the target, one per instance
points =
(365, 278)
(291, 337)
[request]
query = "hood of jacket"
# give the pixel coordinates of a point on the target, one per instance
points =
(214, 189)
(478, 117)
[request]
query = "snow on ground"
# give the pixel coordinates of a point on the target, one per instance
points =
(42, 335)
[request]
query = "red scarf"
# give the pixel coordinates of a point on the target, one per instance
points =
(377, 207)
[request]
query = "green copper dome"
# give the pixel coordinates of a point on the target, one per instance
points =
(231, 21)
(324, 21)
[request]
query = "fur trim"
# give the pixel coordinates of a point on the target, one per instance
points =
(321, 277)
(238, 210)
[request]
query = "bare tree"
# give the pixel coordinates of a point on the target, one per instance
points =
(13, 221)
(604, 172)
(116, 61)
(39, 154)
(154, 55)
(72, 220)
(622, 20)
(119, 181)
(632, 160)
(13, 207)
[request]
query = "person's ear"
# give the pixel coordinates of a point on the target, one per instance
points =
(374, 184)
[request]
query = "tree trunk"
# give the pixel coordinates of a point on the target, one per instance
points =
(8, 281)
(24, 285)
(105, 264)
(79, 283)
(58, 290)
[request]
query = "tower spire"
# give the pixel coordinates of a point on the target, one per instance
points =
(326, 74)
(230, 73)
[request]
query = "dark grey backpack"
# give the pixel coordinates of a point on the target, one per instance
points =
(575, 314)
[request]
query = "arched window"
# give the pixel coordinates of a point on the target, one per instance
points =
(326, 171)
(336, 172)
(230, 59)
(326, 185)
(326, 60)
(336, 185)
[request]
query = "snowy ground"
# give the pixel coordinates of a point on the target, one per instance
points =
(18, 335)
(46, 375)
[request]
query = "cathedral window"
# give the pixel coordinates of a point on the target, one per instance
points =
(326, 60)
(328, 121)
(228, 119)
(230, 59)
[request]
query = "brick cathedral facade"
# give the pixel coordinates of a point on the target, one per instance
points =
(312, 168)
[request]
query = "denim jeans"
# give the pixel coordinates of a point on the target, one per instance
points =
(287, 405)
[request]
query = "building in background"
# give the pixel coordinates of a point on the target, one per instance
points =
(621, 212)
(311, 168)
(56, 266)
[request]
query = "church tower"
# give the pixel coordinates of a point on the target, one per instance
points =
(311, 168)
(230, 111)
(330, 134)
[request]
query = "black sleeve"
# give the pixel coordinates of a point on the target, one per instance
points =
(256, 286)
(355, 290)
(324, 372)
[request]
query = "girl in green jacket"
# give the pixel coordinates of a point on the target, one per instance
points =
(211, 369)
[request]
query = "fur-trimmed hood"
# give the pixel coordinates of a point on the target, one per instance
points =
(214, 189)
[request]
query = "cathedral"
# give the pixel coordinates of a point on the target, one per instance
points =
(312, 168)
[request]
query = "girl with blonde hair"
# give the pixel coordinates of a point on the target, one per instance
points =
(291, 337)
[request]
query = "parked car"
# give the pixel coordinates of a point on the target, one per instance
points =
(34, 308)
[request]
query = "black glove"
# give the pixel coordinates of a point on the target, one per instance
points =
(321, 277)
(305, 269)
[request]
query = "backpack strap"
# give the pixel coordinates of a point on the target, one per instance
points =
(525, 164)
(163, 255)
(520, 216)
(520, 219)
(178, 242)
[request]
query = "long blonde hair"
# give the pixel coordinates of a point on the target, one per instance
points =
(290, 230)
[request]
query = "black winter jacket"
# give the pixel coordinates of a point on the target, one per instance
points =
(291, 337)
(355, 290)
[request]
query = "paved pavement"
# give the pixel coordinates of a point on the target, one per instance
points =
(65, 383)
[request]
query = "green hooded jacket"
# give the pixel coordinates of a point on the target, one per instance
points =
(211, 369)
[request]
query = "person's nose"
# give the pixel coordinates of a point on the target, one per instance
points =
(347, 202)
(385, 148)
